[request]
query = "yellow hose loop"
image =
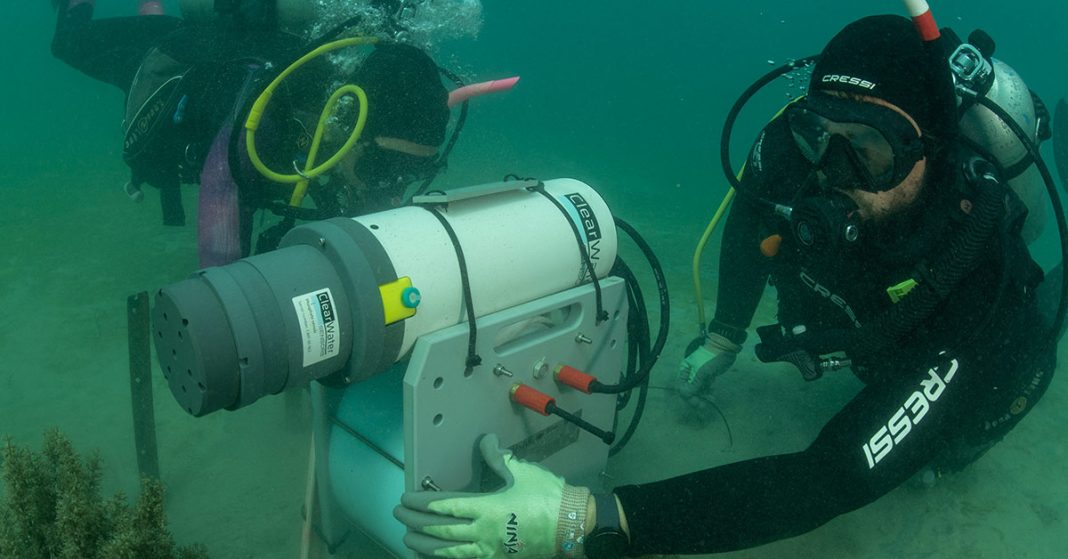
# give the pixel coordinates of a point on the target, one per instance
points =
(311, 172)
(259, 107)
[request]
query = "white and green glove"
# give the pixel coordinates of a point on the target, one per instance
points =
(707, 358)
(534, 516)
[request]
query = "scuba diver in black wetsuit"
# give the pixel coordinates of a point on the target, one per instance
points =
(191, 84)
(901, 252)
(895, 246)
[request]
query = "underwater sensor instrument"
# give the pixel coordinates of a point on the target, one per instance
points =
(502, 304)
(346, 298)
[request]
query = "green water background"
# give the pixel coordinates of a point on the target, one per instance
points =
(627, 96)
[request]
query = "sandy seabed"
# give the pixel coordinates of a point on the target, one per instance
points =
(235, 480)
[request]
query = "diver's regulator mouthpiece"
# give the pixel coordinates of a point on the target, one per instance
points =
(828, 221)
(343, 299)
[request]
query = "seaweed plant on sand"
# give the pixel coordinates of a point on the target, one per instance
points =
(51, 507)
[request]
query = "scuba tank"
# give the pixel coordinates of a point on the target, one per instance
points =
(976, 71)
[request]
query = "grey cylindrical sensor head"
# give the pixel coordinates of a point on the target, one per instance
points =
(230, 335)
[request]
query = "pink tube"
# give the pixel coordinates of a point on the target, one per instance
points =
(466, 92)
(150, 8)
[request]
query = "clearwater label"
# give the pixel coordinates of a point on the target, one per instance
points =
(318, 325)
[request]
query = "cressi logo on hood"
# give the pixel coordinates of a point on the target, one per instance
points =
(848, 80)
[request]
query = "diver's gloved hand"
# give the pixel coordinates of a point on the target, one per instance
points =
(534, 516)
(777, 345)
(707, 357)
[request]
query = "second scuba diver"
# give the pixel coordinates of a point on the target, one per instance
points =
(191, 84)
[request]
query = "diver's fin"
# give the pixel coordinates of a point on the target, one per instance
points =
(1060, 141)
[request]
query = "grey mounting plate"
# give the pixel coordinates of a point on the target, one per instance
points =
(447, 411)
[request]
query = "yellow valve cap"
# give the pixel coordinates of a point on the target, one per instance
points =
(399, 299)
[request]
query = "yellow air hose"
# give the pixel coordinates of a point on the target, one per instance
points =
(302, 177)
(726, 203)
(703, 324)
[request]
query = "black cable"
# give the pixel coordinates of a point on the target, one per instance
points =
(366, 441)
(632, 367)
(1054, 198)
(638, 334)
(639, 411)
(606, 436)
(637, 326)
(473, 359)
(709, 401)
(665, 318)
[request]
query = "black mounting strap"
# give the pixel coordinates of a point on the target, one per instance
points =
(473, 359)
(602, 315)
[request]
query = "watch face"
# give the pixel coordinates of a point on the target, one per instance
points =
(606, 544)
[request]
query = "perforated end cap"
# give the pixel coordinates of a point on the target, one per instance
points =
(193, 339)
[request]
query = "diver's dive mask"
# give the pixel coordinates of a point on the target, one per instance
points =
(387, 173)
(854, 144)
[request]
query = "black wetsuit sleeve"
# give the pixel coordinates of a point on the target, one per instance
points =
(772, 168)
(881, 438)
(743, 270)
(109, 50)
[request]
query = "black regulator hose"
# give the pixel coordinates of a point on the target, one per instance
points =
(442, 160)
(732, 117)
(1054, 198)
(944, 274)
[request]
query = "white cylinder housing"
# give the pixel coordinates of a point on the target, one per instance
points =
(518, 246)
